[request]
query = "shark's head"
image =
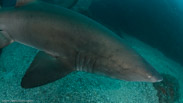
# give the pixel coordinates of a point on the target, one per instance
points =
(126, 64)
(137, 69)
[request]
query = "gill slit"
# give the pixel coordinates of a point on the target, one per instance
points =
(84, 62)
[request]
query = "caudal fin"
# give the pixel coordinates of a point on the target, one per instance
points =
(5, 39)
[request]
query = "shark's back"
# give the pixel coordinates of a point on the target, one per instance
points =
(58, 26)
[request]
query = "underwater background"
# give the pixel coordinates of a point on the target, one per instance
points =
(154, 28)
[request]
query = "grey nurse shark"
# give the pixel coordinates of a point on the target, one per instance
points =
(69, 41)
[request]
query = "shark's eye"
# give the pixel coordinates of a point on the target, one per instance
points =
(149, 76)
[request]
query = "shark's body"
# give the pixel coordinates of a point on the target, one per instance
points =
(70, 41)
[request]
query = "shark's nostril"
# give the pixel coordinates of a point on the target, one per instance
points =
(160, 79)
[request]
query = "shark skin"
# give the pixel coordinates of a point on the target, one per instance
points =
(69, 41)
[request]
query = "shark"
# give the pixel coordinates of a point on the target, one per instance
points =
(68, 41)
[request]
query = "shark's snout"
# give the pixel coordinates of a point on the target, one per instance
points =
(157, 78)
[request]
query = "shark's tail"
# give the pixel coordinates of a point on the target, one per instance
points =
(5, 39)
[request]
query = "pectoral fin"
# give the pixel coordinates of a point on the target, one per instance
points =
(45, 69)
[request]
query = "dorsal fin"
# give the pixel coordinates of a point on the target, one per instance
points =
(23, 2)
(65, 3)
(16, 3)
